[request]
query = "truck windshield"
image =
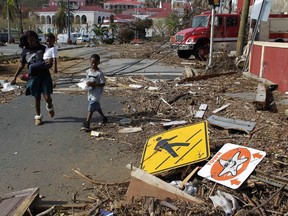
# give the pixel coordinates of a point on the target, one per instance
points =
(200, 21)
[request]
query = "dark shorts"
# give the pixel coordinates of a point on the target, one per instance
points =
(39, 85)
(93, 106)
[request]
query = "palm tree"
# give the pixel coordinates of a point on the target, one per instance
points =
(19, 12)
(61, 17)
(8, 13)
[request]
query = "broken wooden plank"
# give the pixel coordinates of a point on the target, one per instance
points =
(17, 203)
(221, 108)
(261, 97)
(173, 123)
(145, 184)
(130, 130)
(228, 123)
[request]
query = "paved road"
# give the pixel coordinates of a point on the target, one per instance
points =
(40, 156)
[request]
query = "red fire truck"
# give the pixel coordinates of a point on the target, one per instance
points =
(195, 40)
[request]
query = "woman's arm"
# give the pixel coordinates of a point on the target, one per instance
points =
(18, 71)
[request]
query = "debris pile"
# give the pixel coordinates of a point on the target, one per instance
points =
(236, 130)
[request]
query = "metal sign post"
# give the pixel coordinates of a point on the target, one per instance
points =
(211, 37)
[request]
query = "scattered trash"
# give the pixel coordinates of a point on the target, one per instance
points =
(135, 86)
(8, 87)
(200, 113)
(145, 184)
(97, 133)
(188, 187)
(105, 213)
(221, 108)
(130, 130)
(173, 123)
(226, 201)
(83, 85)
(152, 88)
(228, 123)
(125, 121)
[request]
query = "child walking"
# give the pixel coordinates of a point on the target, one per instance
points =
(97, 81)
(49, 57)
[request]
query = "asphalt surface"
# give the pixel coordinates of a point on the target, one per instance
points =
(34, 156)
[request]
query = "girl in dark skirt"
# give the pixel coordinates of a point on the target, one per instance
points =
(40, 81)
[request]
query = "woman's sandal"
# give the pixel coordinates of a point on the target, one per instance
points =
(50, 111)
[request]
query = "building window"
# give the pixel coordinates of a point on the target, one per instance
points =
(48, 19)
(42, 19)
(77, 19)
(83, 19)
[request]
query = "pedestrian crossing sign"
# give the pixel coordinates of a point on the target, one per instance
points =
(176, 148)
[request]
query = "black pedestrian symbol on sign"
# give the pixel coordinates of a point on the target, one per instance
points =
(164, 144)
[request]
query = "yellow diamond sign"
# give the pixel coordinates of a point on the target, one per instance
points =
(176, 148)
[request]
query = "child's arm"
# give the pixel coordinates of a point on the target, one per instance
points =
(93, 84)
(55, 68)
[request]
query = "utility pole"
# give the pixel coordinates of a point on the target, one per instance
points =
(8, 23)
(69, 41)
(211, 36)
(241, 33)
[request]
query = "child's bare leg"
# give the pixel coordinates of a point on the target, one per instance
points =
(49, 105)
(89, 116)
(37, 105)
(101, 113)
(48, 100)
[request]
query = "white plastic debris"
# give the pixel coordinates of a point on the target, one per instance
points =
(225, 200)
(135, 86)
(8, 87)
(188, 187)
(83, 85)
(152, 88)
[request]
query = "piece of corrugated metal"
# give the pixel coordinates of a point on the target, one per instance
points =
(229, 123)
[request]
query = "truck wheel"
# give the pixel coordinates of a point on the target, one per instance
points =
(184, 54)
(202, 51)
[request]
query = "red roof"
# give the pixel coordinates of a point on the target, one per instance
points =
(81, 8)
(122, 2)
(163, 14)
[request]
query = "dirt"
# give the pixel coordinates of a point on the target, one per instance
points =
(146, 109)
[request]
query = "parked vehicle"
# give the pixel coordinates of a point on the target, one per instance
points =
(195, 40)
(4, 37)
(62, 38)
(275, 29)
(83, 38)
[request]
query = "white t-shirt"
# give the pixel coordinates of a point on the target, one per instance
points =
(50, 52)
(95, 93)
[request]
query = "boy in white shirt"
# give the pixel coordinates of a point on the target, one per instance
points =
(97, 81)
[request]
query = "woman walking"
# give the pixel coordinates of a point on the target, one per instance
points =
(40, 81)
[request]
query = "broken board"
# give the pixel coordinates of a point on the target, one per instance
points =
(145, 184)
(17, 203)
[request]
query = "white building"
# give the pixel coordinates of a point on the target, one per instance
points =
(84, 17)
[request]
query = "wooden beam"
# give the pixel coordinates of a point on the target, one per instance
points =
(145, 184)
(17, 203)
